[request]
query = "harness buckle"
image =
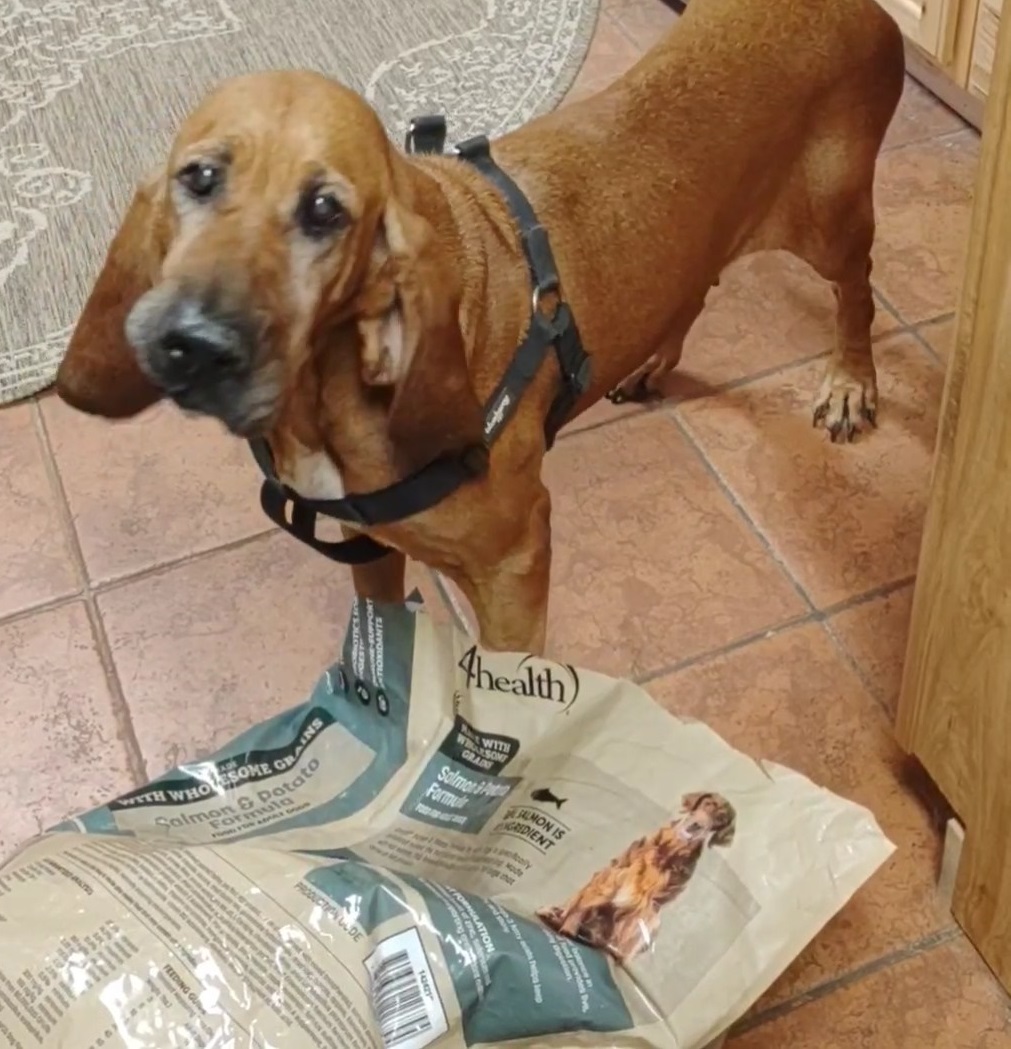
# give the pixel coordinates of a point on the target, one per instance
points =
(540, 261)
(475, 149)
(426, 134)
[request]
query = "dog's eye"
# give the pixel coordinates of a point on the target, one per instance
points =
(200, 179)
(320, 213)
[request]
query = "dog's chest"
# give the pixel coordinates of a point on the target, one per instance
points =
(314, 475)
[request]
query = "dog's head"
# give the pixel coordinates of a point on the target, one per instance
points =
(283, 231)
(707, 816)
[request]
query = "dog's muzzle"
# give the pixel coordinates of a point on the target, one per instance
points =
(202, 356)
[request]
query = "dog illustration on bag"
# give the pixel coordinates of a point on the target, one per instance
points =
(618, 909)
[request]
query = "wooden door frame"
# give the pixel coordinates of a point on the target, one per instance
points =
(955, 704)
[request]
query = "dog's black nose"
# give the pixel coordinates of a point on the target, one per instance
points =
(199, 349)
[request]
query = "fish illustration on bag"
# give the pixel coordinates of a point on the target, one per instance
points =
(546, 795)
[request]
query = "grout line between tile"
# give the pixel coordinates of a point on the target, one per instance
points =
(870, 595)
(918, 336)
(60, 496)
(887, 303)
(942, 137)
(134, 754)
(120, 707)
(883, 303)
(826, 615)
(915, 329)
(956, 133)
(44, 606)
(739, 507)
(618, 417)
(97, 590)
(723, 650)
(924, 945)
(818, 615)
(948, 315)
(848, 658)
(109, 585)
(620, 26)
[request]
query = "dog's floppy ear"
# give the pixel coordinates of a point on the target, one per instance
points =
(99, 373)
(690, 802)
(724, 826)
(416, 346)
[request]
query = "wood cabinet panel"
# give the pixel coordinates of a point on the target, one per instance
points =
(929, 24)
(955, 707)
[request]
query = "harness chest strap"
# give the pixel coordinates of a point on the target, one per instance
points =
(432, 483)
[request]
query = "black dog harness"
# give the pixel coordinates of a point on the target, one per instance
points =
(432, 483)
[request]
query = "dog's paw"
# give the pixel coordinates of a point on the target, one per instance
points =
(646, 382)
(846, 405)
(633, 390)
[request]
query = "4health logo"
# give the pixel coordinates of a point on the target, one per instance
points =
(531, 676)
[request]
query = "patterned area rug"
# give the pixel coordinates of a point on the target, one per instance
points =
(90, 91)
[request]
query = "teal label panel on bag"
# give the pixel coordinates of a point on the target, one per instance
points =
(350, 734)
(513, 977)
(450, 795)
(364, 894)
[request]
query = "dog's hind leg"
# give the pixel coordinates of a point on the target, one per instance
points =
(646, 382)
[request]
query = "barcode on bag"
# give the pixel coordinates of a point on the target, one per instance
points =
(405, 998)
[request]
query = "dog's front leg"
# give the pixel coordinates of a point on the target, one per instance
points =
(840, 250)
(509, 592)
(382, 580)
(572, 921)
(848, 399)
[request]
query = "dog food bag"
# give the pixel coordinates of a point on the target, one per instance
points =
(441, 847)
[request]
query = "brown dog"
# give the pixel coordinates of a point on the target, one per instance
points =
(618, 910)
(292, 273)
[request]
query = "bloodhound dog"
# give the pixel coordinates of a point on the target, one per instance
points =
(291, 272)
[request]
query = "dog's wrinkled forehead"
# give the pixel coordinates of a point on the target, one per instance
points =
(274, 130)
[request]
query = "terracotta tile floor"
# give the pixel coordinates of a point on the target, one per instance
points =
(715, 547)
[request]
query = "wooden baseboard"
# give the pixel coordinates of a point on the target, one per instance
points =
(967, 105)
(954, 842)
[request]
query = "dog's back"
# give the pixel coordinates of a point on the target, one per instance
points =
(733, 82)
(714, 144)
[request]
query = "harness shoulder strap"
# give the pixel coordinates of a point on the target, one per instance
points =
(534, 237)
(559, 330)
